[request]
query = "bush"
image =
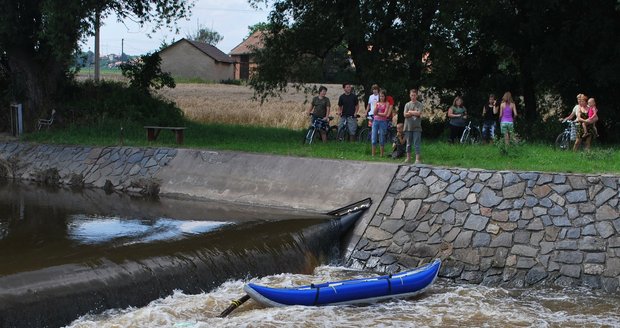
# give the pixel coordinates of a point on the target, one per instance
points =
(89, 102)
(433, 129)
(232, 81)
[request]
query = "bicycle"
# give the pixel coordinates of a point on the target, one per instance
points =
(471, 135)
(345, 132)
(562, 142)
(365, 134)
(317, 125)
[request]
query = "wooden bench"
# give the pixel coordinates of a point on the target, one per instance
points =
(152, 132)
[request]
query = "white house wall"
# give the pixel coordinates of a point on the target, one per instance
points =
(185, 60)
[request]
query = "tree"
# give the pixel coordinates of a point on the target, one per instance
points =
(40, 37)
(260, 26)
(534, 49)
(385, 42)
(145, 73)
(471, 48)
(206, 35)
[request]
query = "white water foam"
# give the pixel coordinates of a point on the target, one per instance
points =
(445, 304)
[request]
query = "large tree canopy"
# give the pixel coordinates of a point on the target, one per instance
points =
(471, 48)
(39, 37)
(386, 41)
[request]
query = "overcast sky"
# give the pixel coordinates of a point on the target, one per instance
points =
(230, 18)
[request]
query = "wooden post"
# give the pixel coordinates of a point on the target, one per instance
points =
(97, 50)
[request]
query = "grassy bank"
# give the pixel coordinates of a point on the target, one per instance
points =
(527, 157)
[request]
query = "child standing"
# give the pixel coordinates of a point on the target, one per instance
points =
(413, 125)
(592, 110)
(372, 101)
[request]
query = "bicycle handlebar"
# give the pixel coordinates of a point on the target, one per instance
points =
(328, 118)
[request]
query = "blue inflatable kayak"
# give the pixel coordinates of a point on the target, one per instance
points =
(366, 290)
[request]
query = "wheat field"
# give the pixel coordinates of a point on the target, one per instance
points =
(233, 104)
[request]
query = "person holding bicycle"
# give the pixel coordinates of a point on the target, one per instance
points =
(348, 106)
(489, 119)
(457, 113)
(380, 124)
(585, 121)
(581, 102)
(319, 109)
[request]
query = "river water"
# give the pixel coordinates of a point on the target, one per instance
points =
(446, 304)
(49, 228)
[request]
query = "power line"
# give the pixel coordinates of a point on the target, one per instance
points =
(227, 9)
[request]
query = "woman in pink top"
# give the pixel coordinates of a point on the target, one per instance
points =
(590, 127)
(380, 123)
(507, 114)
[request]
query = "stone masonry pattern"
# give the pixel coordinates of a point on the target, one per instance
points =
(120, 168)
(512, 229)
(498, 228)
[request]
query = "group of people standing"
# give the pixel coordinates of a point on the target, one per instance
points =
(585, 115)
(380, 110)
(348, 106)
(506, 113)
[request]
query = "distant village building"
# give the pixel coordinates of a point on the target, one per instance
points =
(243, 55)
(192, 59)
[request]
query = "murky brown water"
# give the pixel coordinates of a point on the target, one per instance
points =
(444, 305)
(40, 228)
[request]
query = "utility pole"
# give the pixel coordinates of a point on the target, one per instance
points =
(97, 50)
(122, 50)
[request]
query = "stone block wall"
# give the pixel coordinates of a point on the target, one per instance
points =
(498, 228)
(119, 168)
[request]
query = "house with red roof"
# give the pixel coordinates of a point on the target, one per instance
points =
(242, 54)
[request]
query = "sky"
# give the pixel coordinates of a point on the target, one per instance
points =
(230, 18)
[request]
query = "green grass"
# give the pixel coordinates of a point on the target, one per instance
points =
(526, 157)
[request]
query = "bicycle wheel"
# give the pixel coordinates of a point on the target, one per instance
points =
(562, 142)
(343, 134)
(364, 135)
(474, 136)
(464, 136)
(332, 133)
(309, 136)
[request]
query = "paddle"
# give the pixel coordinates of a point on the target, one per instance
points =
(233, 305)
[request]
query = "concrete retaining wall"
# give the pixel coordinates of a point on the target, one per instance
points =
(307, 184)
(498, 228)
(125, 168)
